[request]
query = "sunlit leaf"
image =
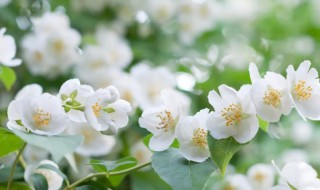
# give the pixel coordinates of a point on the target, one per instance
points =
(7, 76)
(9, 142)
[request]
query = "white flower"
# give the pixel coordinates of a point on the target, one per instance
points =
(162, 11)
(191, 133)
(304, 87)
(237, 182)
(141, 152)
(270, 95)
(261, 176)
(33, 154)
(294, 155)
(14, 109)
(105, 112)
(301, 132)
(54, 180)
(234, 114)
(161, 121)
(43, 115)
(95, 143)
(153, 81)
(8, 50)
(72, 95)
(300, 175)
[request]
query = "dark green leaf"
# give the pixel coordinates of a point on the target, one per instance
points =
(9, 142)
(7, 76)
(39, 182)
(58, 146)
(222, 151)
(5, 173)
(180, 173)
(108, 166)
(15, 186)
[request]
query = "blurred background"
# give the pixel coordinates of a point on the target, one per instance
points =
(190, 45)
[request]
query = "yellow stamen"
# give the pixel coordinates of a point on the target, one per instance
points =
(200, 138)
(41, 118)
(232, 114)
(301, 91)
(166, 120)
(272, 97)
(259, 177)
(96, 109)
(58, 46)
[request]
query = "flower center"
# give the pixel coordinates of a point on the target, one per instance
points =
(229, 187)
(96, 109)
(41, 118)
(200, 138)
(259, 177)
(301, 91)
(166, 120)
(232, 114)
(58, 46)
(88, 135)
(272, 97)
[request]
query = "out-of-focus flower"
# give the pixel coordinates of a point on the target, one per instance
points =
(141, 152)
(304, 87)
(8, 50)
(237, 182)
(54, 179)
(33, 154)
(191, 133)
(301, 132)
(261, 176)
(294, 155)
(52, 48)
(234, 114)
(270, 94)
(95, 143)
(161, 121)
(162, 11)
(73, 96)
(87, 5)
(152, 81)
(105, 112)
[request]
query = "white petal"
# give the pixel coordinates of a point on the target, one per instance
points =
(162, 141)
(194, 153)
(217, 127)
(247, 129)
(254, 72)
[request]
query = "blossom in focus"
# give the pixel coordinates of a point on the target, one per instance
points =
(8, 50)
(234, 114)
(54, 179)
(191, 133)
(270, 95)
(105, 112)
(304, 88)
(161, 121)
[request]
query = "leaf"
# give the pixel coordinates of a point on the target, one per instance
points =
(7, 76)
(180, 173)
(107, 166)
(58, 146)
(39, 182)
(5, 173)
(264, 125)
(148, 180)
(9, 142)
(222, 151)
(147, 138)
(15, 186)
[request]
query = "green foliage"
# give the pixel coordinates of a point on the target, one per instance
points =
(5, 173)
(180, 173)
(58, 146)
(264, 125)
(15, 186)
(148, 180)
(39, 182)
(222, 151)
(9, 142)
(7, 76)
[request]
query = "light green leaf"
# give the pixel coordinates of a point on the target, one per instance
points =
(180, 173)
(39, 182)
(9, 142)
(264, 125)
(58, 146)
(15, 186)
(222, 151)
(7, 76)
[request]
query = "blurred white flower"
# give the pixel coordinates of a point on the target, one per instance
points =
(191, 133)
(105, 112)
(8, 50)
(27, 93)
(73, 96)
(54, 180)
(141, 152)
(87, 5)
(237, 182)
(95, 143)
(152, 81)
(52, 48)
(294, 155)
(161, 121)
(301, 132)
(163, 11)
(33, 154)
(304, 87)
(43, 115)
(261, 176)
(270, 94)
(234, 114)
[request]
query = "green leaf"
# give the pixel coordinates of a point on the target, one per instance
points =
(15, 186)
(58, 146)
(116, 180)
(9, 142)
(108, 166)
(148, 180)
(73, 94)
(264, 125)
(147, 138)
(5, 173)
(7, 76)
(39, 182)
(109, 110)
(180, 173)
(222, 151)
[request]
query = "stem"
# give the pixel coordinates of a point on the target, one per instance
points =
(14, 166)
(22, 162)
(101, 174)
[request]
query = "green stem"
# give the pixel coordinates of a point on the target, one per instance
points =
(14, 166)
(101, 174)
(22, 161)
